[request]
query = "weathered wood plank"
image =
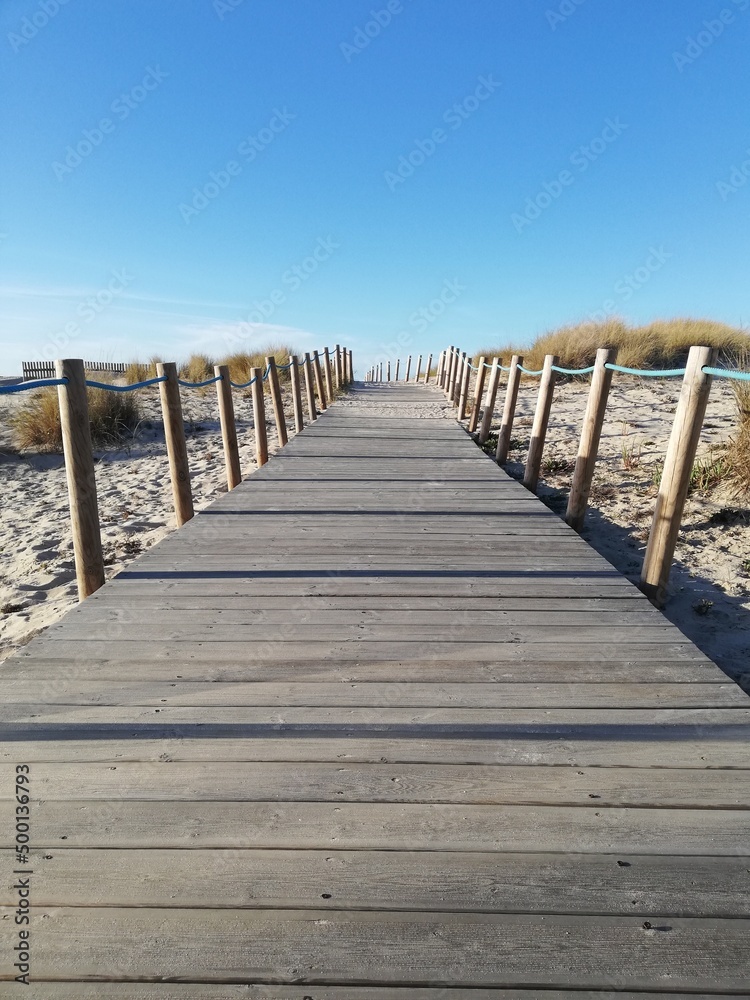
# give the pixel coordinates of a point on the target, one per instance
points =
(227, 781)
(392, 880)
(383, 826)
(416, 948)
(373, 694)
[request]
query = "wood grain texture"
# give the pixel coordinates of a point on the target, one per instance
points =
(174, 432)
(377, 726)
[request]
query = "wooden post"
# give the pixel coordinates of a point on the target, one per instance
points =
(327, 370)
(79, 470)
(427, 372)
(452, 369)
(489, 403)
(408, 368)
(464, 360)
(381, 371)
(338, 372)
(174, 431)
(509, 410)
(311, 412)
(350, 373)
(259, 417)
(464, 393)
(591, 432)
(419, 368)
(299, 421)
(277, 401)
(478, 390)
(228, 426)
(319, 381)
(675, 477)
(541, 419)
(389, 371)
(398, 365)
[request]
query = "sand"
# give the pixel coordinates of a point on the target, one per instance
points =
(710, 586)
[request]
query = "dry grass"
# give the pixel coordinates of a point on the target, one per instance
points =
(661, 344)
(197, 368)
(738, 449)
(240, 364)
(114, 416)
(139, 371)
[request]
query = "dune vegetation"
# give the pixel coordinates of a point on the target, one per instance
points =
(661, 344)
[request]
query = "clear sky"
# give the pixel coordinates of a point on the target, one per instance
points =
(204, 175)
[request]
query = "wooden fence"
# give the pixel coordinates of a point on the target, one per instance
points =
(321, 381)
(46, 369)
(382, 372)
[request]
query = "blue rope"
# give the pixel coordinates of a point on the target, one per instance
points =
(39, 383)
(283, 368)
(125, 388)
(647, 372)
(243, 385)
(526, 371)
(573, 371)
(727, 373)
(199, 385)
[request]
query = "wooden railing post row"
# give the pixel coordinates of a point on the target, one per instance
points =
(259, 416)
(81, 478)
(489, 403)
(310, 392)
(675, 477)
(276, 399)
(408, 369)
(174, 432)
(327, 370)
(398, 365)
(463, 395)
(427, 372)
(509, 410)
(228, 426)
(299, 421)
(591, 432)
(319, 382)
(541, 420)
(478, 390)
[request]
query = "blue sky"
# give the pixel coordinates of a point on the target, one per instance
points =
(209, 175)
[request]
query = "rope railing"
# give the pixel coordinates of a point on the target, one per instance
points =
(455, 368)
(39, 383)
(72, 386)
(110, 387)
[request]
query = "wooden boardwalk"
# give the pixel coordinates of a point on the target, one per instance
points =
(376, 725)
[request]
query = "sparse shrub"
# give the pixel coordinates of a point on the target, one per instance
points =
(139, 371)
(113, 416)
(197, 368)
(241, 363)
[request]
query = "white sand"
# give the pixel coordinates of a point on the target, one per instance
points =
(710, 581)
